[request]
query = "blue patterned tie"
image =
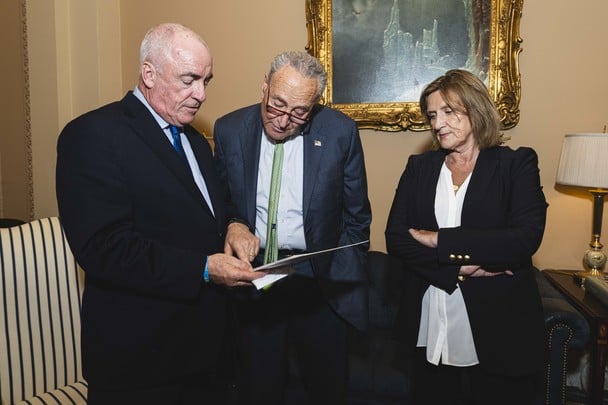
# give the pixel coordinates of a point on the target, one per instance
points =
(177, 141)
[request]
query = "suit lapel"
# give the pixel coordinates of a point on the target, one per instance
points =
(202, 153)
(314, 147)
(481, 183)
(148, 130)
(428, 194)
(250, 151)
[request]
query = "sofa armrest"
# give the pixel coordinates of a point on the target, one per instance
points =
(566, 328)
(560, 314)
(72, 394)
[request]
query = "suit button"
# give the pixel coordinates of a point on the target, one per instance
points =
(467, 257)
(459, 257)
(452, 257)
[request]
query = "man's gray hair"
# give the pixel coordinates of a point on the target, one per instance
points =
(302, 62)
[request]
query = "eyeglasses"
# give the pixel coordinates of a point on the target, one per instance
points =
(274, 112)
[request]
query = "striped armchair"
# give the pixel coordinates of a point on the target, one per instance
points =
(40, 291)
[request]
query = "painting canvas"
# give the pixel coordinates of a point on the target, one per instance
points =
(402, 45)
(380, 54)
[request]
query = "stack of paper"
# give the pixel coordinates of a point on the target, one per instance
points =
(282, 268)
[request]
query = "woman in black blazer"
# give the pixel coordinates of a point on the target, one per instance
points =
(466, 219)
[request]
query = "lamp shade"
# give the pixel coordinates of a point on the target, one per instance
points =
(584, 161)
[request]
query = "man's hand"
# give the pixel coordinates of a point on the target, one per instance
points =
(230, 271)
(240, 242)
(477, 271)
(427, 238)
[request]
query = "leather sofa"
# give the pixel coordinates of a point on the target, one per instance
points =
(566, 329)
(378, 367)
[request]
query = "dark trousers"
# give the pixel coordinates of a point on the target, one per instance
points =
(449, 385)
(292, 316)
(197, 389)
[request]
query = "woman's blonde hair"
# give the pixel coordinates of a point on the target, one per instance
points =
(465, 93)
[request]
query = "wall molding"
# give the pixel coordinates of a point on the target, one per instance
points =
(28, 116)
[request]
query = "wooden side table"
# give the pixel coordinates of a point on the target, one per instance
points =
(596, 314)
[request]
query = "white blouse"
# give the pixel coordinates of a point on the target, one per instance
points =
(445, 329)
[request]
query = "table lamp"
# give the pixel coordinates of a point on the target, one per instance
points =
(584, 163)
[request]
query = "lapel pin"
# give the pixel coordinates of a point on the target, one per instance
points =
(317, 142)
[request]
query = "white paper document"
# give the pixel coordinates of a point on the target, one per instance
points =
(282, 267)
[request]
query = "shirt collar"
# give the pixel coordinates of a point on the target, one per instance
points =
(160, 120)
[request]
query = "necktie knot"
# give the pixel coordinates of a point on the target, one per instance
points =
(177, 140)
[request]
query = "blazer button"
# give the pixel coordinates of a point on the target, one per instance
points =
(459, 257)
(467, 257)
(452, 257)
(462, 278)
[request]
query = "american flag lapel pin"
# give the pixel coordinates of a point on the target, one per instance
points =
(318, 143)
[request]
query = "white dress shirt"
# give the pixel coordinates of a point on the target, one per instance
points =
(290, 213)
(445, 329)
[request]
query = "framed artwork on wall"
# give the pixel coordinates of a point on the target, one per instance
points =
(379, 54)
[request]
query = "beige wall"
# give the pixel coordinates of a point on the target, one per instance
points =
(74, 57)
(563, 68)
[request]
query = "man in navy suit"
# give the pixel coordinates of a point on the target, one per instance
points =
(323, 203)
(146, 217)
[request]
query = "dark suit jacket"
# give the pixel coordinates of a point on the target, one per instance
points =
(336, 208)
(502, 224)
(141, 230)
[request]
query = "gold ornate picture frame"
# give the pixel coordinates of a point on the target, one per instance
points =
(492, 24)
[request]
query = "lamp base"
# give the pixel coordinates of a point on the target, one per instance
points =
(595, 260)
(592, 273)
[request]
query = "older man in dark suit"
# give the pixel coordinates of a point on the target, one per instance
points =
(145, 214)
(321, 203)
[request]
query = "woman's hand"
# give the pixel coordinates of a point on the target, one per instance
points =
(477, 271)
(427, 238)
